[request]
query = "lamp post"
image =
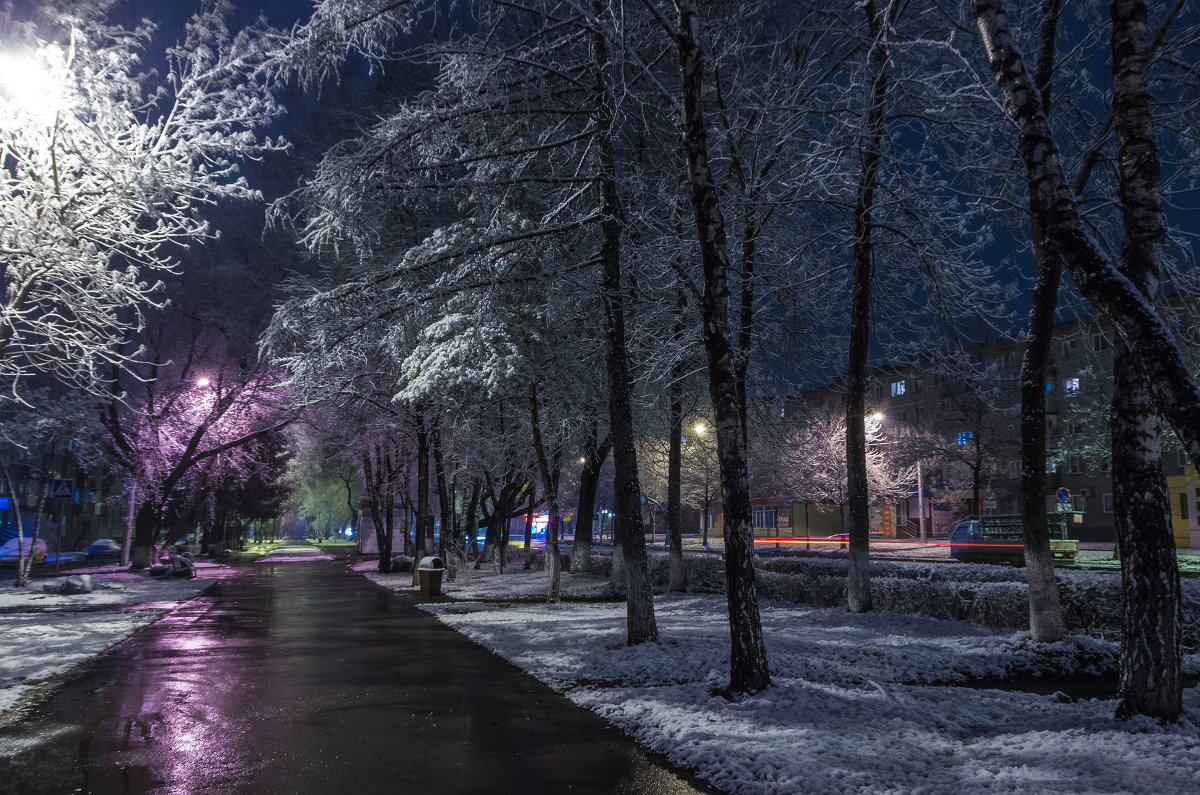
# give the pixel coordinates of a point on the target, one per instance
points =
(700, 430)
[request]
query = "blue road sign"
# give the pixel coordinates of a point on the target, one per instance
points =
(63, 489)
(1063, 494)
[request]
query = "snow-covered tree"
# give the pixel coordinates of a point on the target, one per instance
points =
(1152, 376)
(191, 423)
(105, 170)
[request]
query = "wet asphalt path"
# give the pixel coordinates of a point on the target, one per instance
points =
(304, 678)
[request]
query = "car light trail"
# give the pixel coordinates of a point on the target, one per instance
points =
(880, 542)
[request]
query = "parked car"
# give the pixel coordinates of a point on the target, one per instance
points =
(1000, 539)
(9, 552)
(104, 548)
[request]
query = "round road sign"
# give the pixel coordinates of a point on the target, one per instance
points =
(1063, 494)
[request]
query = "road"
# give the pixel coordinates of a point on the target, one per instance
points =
(305, 678)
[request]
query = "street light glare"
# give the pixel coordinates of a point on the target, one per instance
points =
(700, 429)
(877, 416)
(28, 84)
(203, 382)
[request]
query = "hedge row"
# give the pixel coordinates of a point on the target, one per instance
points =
(994, 596)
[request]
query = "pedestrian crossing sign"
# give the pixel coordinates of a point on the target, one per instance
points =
(63, 489)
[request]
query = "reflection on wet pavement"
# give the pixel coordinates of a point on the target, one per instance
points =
(309, 679)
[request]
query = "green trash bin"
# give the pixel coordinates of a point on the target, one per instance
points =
(429, 576)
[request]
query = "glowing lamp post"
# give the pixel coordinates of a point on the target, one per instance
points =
(33, 87)
(700, 430)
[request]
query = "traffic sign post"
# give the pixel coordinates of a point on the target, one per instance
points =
(62, 489)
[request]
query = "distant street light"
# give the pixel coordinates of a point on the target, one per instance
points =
(700, 429)
(203, 382)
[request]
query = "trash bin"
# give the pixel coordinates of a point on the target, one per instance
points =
(429, 576)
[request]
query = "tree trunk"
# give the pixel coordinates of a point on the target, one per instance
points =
(1045, 611)
(145, 528)
(748, 672)
(424, 516)
(589, 479)
(529, 532)
(448, 538)
(1151, 675)
(675, 576)
(639, 596)
(505, 529)
(741, 361)
(550, 486)
(858, 578)
(16, 504)
(617, 576)
(350, 505)
(126, 546)
(374, 477)
(471, 518)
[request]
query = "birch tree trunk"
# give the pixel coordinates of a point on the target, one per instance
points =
(1151, 673)
(639, 597)
(16, 504)
(749, 672)
(127, 540)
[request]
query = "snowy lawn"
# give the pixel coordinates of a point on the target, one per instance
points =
(45, 635)
(851, 709)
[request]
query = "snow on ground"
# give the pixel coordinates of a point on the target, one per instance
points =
(292, 555)
(38, 647)
(46, 635)
(851, 708)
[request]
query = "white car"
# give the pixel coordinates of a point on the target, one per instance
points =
(104, 548)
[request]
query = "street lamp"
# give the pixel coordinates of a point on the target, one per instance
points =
(700, 430)
(29, 83)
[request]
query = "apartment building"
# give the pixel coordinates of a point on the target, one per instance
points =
(960, 426)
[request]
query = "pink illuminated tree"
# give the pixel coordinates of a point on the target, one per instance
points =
(184, 430)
